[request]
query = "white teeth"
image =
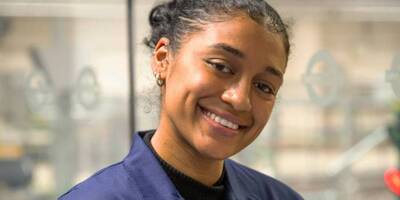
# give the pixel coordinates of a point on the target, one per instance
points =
(222, 121)
(213, 116)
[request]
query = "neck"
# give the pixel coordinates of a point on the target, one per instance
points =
(172, 148)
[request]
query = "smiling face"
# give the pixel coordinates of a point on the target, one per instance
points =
(220, 86)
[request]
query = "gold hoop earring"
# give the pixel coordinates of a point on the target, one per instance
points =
(160, 82)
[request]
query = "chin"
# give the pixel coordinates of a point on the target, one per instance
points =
(217, 151)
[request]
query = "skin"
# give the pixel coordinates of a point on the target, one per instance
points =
(232, 68)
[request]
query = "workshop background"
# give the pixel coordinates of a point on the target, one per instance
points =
(65, 68)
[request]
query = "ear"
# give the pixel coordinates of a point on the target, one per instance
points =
(160, 57)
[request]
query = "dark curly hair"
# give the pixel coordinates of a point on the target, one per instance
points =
(176, 18)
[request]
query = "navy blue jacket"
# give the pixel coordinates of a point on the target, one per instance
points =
(140, 177)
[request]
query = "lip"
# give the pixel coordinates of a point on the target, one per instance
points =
(218, 128)
(227, 116)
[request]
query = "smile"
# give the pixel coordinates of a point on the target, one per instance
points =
(220, 120)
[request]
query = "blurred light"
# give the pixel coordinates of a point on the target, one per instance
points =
(392, 180)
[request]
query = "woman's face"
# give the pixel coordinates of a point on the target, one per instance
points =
(221, 85)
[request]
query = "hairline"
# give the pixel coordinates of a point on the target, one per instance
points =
(197, 25)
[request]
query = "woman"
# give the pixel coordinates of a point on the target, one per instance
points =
(219, 65)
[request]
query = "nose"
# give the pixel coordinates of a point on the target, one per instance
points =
(238, 96)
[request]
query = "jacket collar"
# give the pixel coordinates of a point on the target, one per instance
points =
(154, 183)
(145, 170)
(235, 191)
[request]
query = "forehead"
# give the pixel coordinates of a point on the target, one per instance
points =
(241, 32)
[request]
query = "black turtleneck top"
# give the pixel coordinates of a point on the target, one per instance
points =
(187, 187)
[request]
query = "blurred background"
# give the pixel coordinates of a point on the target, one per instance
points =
(65, 88)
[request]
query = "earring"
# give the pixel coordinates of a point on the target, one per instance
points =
(159, 80)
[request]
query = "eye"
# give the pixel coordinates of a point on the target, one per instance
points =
(264, 88)
(219, 66)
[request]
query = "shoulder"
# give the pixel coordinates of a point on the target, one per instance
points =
(110, 183)
(254, 182)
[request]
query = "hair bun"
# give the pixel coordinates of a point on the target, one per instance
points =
(161, 20)
(160, 14)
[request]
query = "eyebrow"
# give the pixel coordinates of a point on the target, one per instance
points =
(229, 49)
(237, 52)
(274, 71)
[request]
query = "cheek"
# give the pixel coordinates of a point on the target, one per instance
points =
(190, 80)
(263, 112)
(201, 82)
